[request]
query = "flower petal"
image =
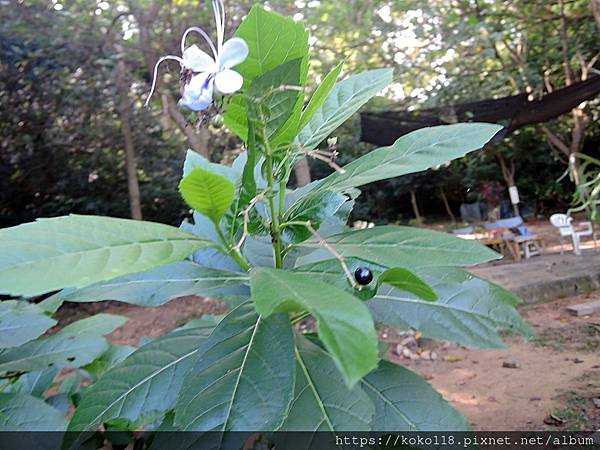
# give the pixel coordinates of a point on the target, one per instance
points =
(228, 81)
(234, 51)
(197, 60)
(198, 94)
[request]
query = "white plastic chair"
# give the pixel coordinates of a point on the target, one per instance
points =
(564, 223)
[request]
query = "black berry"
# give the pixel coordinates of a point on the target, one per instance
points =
(363, 275)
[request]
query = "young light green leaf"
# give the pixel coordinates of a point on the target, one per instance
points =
(414, 152)
(158, 286)
(46, 255)
(407, 281)
(469, 310)
(75, 345)
(346, 97)
(244, 377)
(21, 322)
(322, 401)
(405, 402)
(21, 412)
(395, 246)
(208, 193)
(272, 40)
(194, 160)
(147, 380)
(320, 95)
(345, 325)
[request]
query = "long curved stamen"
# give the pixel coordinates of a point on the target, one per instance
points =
(201, 32)
(154, 78)
(219, 12)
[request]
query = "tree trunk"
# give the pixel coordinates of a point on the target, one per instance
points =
(509, 178)
(130, 160)
(302, 172)
(447, 205)
(415, 206)
(145, 19)
(196, 141)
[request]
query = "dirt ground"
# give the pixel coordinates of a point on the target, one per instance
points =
(550, 382)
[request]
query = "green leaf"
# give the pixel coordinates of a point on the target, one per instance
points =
(20, 322)
(115, 354)
(76, 251)
(195, 160)
(75, 345)
(159, 286)
(322, 401)
(244, 377)
(247, 189)
(409, 247)
(346, 97)
(315, 207)
(97, 325)
(70, 385)
(204, 321)
(272, 40)
(405, 402)
(208, 193)
(331, 272)
(414, 152)
(270, 102)
(21, 412)
(320, 95)
(345, 325)
(469, 310)
(146, 381)
(34, 383)
(407, 281)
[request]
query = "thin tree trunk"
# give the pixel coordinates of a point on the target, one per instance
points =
(447, 205)
(195, 139)
(145, 18)
(130, 160)
(415, 206)
(302, 172)
(509, 178)
(166, 121)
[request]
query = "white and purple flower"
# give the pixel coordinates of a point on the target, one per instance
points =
(204, 76)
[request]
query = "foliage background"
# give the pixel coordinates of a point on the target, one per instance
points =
(61, 146)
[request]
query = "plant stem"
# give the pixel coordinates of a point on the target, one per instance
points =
(281, 197)
(274, 215)
(300, 317)
(233, 252)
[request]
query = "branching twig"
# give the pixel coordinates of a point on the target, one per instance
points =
(330, 249)
(246, 214)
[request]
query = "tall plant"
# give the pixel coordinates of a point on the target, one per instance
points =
(276, 255)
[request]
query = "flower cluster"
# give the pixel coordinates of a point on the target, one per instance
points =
(204, 76)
